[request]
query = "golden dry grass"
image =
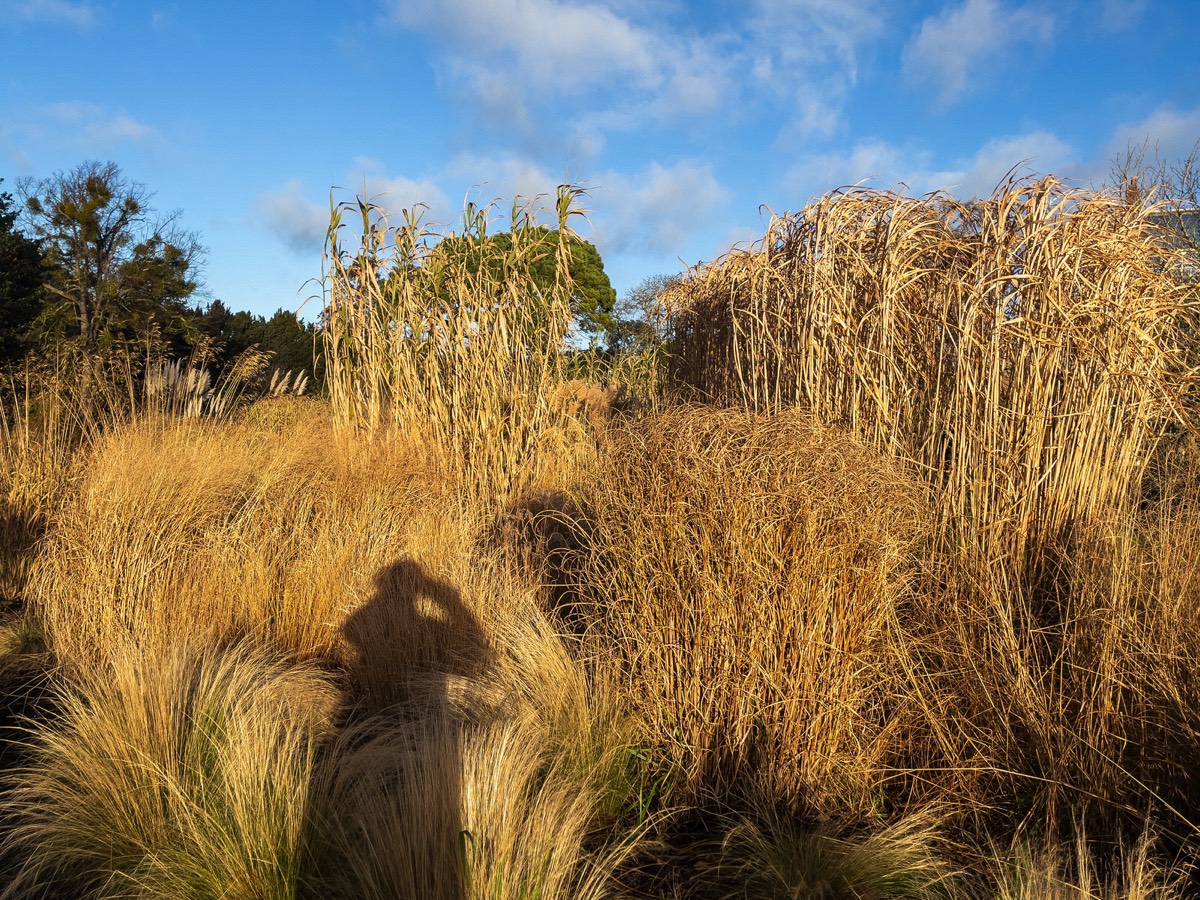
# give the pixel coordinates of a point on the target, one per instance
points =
(482, 647)
(762, 591)
(172, 776)
(1020, 350)
(746, 574)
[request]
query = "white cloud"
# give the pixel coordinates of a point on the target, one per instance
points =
(506, 177)
(1038, 152)
(954, 47)
(301, 223)
(121, 128)
(697, 88)
(658, 208)
(74, 111)
(568, 45)
(875, 161)
(80, 15)
(813, 34)
(885, 165)
(22, 162)
(501, 98)
(816, 114)
(805, 53)
(529, 61)
(298, 221)
(99, 130)
(1167, 130)
(587, 142)
(395, 193)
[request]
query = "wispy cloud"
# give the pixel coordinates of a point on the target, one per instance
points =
(299, 217)
(370, 178)
(882, 164)
(615, 66)
(1119, 15)
(658, 208)
(294, 218)
(1037, 152)
(1167, 131)
(953, 48)
(73, 111)
(568, 45)
(117, 129)
(486, 177)
(805, 55)
(92, 128)
(875, 161)
(56, 12)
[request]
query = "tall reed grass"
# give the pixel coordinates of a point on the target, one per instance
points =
(450, 334)
(1021, 350)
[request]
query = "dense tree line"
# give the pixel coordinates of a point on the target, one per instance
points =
(23, 272)
(85, 260)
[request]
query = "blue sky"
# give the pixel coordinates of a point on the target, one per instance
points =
(682, 118)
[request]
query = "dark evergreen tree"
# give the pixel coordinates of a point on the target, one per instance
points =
(22, 275)
(117, 270)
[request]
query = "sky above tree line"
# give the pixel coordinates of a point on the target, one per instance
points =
(687, 121)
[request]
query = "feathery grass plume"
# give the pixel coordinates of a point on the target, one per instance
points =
(743, 573)
(386, 812)
(1070, 872)
(186, 388)
(450, 335)
(433, 809)
(178, 776)
(1021, 349)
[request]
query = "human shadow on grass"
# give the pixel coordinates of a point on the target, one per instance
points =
(388, 801)
(411, 641)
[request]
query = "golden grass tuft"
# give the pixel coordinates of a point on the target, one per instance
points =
(1070, 872)
(227, 534)
(182, 775)
(746, 573)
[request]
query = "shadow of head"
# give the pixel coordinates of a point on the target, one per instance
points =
(548, 535)
(412, 639)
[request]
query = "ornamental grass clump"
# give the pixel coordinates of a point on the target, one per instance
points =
(185, 775)
(744, 574)
(1021, 350)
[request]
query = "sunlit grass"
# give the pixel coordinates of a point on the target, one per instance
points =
(469, 628)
